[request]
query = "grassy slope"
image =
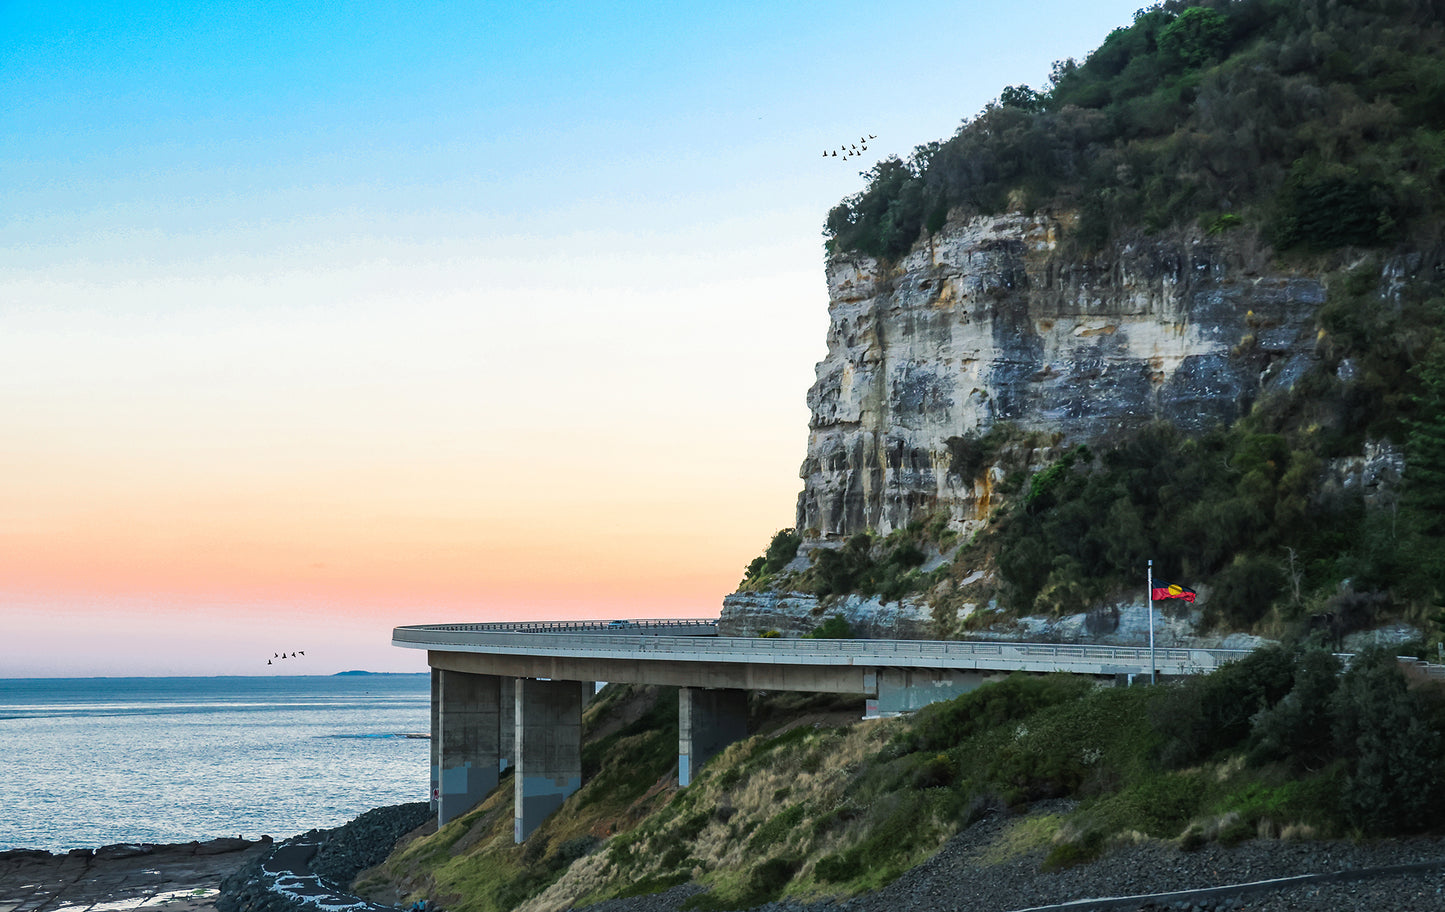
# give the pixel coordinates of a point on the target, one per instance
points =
(812, 808)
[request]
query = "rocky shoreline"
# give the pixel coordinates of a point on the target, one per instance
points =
(115, 878)
(300, 874)
(309, 872)
(316, 868)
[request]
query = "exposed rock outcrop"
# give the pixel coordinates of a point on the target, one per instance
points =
(1125, 624)
(793, 614)
(987, 322)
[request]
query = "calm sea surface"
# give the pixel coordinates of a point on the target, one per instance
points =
(93, 761)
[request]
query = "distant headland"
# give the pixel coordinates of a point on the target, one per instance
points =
(379, 674)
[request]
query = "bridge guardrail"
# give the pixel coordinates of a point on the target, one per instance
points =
(697, 640)
(604, 626)
(562, 638)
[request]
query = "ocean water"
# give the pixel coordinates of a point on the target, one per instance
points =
(87, 762)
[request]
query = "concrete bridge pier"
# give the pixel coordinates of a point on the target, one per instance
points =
(507, 724)
(436, 741)
(548, 745)
(901, 690)
(466, 740)
(708, 721)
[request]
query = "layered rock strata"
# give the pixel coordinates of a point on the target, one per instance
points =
(987, 322)
(792, 614)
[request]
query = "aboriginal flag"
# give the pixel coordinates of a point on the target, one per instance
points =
(1163, 590)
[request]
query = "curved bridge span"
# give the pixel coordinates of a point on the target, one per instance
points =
(510, 695)
(636, 652)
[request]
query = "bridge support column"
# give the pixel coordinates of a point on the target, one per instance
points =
(707, 722)
(436, 739)
(901, 690)
(548, 744)
(466, 738)
(507, 726)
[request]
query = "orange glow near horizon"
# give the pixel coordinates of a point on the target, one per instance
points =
(368, 552)
(143, 543)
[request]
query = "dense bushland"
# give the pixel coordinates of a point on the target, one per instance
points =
(1319, 122)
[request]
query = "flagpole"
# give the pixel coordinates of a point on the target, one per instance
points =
(1149, 606)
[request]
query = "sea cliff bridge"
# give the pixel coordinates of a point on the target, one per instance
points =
(512, 694)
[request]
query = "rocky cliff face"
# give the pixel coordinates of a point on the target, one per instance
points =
(988, 322)
(793, 614)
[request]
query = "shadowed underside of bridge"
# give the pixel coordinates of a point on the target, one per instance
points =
(512, 695)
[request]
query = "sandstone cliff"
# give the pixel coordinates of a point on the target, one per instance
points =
(990, 321)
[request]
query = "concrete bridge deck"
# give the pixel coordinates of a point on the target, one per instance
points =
(625, 648)
(512, 694)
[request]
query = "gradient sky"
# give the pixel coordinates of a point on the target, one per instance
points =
(320, 318)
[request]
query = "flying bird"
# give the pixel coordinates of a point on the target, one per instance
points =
(852, 150)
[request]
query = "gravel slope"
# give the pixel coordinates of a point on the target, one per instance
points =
(955, 880)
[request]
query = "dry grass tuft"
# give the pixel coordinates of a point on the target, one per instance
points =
(584, 877)
(1300, 831)
(1227, 770)
(1130, 837)
(1021, 837)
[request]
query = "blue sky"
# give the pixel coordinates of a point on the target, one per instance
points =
(363, 314)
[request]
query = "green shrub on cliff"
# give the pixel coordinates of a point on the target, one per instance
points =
(780, 552)
(890, 567)
(836, 627)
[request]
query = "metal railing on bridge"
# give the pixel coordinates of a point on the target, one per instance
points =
(646, 627)
(601, 640)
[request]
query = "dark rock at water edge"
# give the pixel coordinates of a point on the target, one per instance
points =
(366, 841)
(317, 867)
(220, 846)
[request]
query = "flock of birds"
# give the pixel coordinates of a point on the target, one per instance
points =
(851, 150)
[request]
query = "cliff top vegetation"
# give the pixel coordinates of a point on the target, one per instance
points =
(1319, 122)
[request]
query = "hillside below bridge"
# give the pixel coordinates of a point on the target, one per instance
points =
(511, 695)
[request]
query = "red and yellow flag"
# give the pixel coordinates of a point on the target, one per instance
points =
(1163, 590)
